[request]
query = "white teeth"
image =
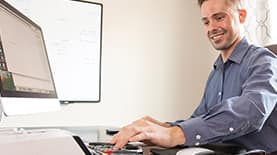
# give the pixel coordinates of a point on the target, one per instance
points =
(216, 37)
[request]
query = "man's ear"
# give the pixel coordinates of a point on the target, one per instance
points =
(242, 15)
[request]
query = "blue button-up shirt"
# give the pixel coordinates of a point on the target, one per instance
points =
(239, 102)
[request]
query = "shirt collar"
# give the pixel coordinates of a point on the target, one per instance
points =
(237, 55)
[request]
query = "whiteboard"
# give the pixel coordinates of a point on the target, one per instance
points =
(72, 31)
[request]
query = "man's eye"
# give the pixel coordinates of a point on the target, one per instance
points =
(219, 18)
(205, 22)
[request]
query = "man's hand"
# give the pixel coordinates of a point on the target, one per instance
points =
(150, 130)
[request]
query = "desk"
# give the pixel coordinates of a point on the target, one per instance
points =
(27, 138)
(21, 136)
(86, 133)
(98, 134)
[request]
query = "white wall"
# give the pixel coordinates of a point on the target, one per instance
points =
(155, 61)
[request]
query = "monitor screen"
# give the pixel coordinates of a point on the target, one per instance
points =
(73, 40)
(26, 83)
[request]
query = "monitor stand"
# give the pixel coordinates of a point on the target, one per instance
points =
(1, 111)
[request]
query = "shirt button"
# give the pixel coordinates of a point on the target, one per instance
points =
(198, 137)
(219, 93)
(197, 144)
(231, 129)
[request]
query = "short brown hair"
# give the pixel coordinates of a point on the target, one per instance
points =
(200, 2)
(237, 3)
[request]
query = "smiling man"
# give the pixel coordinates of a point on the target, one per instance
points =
(238, 105)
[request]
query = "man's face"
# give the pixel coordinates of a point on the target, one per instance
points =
(221, 23)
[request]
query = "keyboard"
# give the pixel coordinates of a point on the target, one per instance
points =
(100, 148)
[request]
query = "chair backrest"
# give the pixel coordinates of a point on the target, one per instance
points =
(272, 48)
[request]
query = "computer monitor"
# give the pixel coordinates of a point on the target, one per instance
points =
(26, 83)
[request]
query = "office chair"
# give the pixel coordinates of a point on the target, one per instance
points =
(272, 48)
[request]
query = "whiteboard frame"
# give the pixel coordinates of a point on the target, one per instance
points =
(100, 57)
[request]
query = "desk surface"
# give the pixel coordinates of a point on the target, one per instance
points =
(86, 133)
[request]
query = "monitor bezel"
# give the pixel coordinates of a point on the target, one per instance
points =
(20, 103)
(7, 93)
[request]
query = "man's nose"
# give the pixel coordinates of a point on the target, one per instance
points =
(212, 26)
